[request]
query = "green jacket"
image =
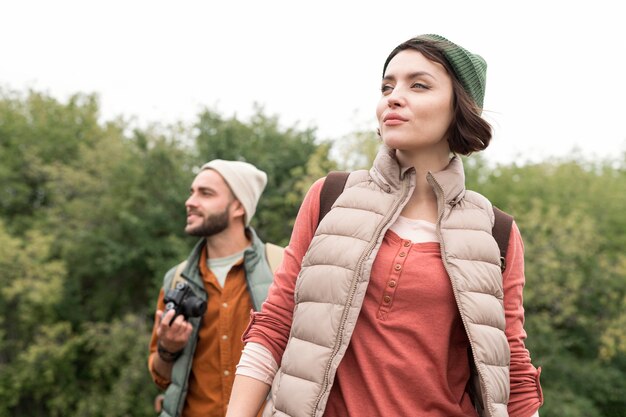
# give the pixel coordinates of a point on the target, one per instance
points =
(258, 276)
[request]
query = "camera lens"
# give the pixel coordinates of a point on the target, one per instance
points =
(194, 307)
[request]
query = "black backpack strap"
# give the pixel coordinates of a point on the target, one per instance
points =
(333, 186)
(501, 232)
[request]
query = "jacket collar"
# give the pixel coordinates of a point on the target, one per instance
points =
(451, 180)
(386, 170)
(252, 255)
(388, 174)
(255, 252)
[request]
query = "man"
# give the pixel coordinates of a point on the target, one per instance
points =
(194, 358)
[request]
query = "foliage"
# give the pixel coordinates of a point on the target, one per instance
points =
(357, 150)
(36, 131)
(98, 370)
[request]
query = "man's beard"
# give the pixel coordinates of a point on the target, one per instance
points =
(212, 225)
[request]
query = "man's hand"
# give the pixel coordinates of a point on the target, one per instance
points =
(172, 336)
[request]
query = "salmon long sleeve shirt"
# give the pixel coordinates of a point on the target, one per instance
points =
(409, 348)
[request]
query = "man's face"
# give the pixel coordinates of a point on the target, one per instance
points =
(209, 206)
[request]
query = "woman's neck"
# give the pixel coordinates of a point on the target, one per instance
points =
(434, 158)
(422, 204)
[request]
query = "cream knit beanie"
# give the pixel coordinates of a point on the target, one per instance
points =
(245, 181)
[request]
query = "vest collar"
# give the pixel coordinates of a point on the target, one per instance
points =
(386, 170)
(252, 255)
(388, 174)
(256, 251)
(452, 181)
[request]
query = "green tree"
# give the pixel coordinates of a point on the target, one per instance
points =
(30, 293)
(88, 241)
(120, 221)
(356, 150)
(37, 130)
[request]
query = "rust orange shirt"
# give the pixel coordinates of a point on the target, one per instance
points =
(219, 343)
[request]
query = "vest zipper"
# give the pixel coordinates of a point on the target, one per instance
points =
(441, 203)
(353, 286)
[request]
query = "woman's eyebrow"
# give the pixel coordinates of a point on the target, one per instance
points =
(410, 76)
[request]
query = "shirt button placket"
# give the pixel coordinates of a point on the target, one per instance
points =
(392, 283)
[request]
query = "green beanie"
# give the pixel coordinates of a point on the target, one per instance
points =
(471, 69)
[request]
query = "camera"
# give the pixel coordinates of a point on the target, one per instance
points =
(183, 301)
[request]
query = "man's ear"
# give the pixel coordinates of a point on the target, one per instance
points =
(237, 209)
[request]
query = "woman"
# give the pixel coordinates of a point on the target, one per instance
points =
(396, 304)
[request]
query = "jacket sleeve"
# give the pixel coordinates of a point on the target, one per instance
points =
(160, 381)
(526, 394)
(271, 326)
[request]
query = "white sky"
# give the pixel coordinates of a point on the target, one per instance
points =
(556, 77)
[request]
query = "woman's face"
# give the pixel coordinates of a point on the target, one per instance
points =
(416, 106)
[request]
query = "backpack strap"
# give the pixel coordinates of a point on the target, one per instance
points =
(274, 255)
(333, 186)
(336, 181)
(501, 232)
(178, 274)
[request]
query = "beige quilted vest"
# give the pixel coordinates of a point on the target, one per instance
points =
(336, 270)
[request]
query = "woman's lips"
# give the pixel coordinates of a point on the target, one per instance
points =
(393, 119)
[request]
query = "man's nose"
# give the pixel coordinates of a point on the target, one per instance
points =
(191, 201)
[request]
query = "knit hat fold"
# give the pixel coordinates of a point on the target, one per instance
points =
(246, 182)
(470, 68)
